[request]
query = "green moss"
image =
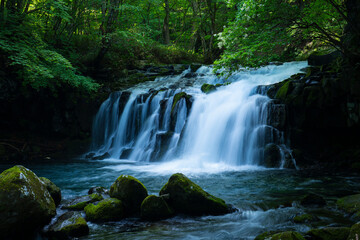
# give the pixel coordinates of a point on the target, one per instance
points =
(25, 203)
(287, 236)
(110, 209)
(331, 233)
(81, 202)
(54, 190)
(189, 198)
(130, 191)
(70, 224)
(208, 88)
(354, 232)
(155, 208)
(350, 204)
(303, 218)
(283, 91)
(177, 98)
(265, 235)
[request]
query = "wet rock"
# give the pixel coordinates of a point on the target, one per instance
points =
(130, 191)
(188, 198)
(350, 204)
(208, 88)
(155, 208)
(277, 115)
(287, 236)
(25, 203)
(190, 75)
(330, 233)
(313, 200)
(354, 232)
(272, 235)
(54, 190)
(81, 202)
(304, 218)
(102, 157)
(68, 225)
(126, 153)
(110, 209)
(272, 156)
(99, 190)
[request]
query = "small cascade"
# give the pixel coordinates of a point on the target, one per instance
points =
(141, 129)
(235, 125)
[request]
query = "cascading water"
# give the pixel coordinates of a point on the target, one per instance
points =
(230, 125)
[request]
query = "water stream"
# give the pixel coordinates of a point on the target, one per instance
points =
(217, 140)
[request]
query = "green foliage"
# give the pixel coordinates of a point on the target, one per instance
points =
(267, 30)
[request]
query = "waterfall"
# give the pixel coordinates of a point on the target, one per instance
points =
(175, 120)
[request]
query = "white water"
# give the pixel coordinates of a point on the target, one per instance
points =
(224, 130)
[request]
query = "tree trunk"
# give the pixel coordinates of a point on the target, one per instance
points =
(166, 30)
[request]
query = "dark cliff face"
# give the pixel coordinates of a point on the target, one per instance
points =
(322, 116)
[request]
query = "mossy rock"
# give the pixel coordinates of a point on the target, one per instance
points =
(331, 233)
(188, 198)
(313, 200)
(25, 203)
(283, 90)
(81, 202)
(178, 97)
(287, 236)
(68, 225)
(208, 88)
(266, 235)
(130, 191)
(304, 218)
(354, 232)
(54, 190)
(110, 209)
(155, 208)
(350, 204)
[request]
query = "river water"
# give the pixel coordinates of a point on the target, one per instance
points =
(218, 143)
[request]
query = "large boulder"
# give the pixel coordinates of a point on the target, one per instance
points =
(350, 204)
(68, 225)
(280, 236)
(187, 197)
(81, 202)
(354, 232)
(155, 208)
(130, 191)
(25, 203)
(54, 190)
(110, 209)
(330, 233)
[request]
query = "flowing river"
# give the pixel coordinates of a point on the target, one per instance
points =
(217, 140)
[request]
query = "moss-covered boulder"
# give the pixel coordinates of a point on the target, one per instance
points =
(287, 236)
(273, 235)
(208, 88)
(313, 200)
(81, 202)
(25, 203)
(178, 97)
(304, 218)
(110, 209)
(155, 208)
(130, 191)
(68, 225)
(54, 190)
(187, 197)
(350, 204)
(354, 232)
(330, 233)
